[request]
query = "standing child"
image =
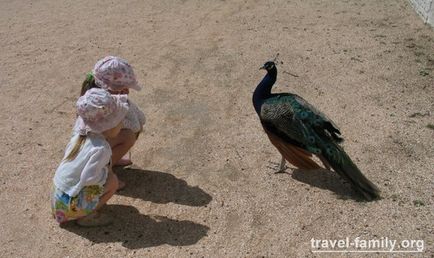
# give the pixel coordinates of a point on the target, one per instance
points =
(115, 75)
(84, 182)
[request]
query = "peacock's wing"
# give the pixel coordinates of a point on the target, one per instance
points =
(287, 132)
(284, 116)
(321, 123)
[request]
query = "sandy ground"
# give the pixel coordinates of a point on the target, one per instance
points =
(201, 185)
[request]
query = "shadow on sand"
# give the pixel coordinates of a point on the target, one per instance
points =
(159, 187)
(135, 230)
(328, 180)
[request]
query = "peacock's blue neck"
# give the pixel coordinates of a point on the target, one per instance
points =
(263, 90)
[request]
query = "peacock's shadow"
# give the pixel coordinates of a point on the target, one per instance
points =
(160, 187)
(326, 179)
(135, 230)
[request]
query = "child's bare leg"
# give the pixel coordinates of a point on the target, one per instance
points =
(95, 218)
(110, 188)
(122, 144)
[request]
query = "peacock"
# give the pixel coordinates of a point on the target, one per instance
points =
(299, 131)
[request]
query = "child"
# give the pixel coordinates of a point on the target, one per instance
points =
(84, 182)
(117, 76)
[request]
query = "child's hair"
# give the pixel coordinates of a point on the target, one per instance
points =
(88, 84)
(76, 149)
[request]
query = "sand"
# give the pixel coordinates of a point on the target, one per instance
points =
(201, 184)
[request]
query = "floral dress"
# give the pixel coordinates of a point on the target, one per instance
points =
(66, 208)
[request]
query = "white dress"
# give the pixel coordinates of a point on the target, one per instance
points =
(135, 119)
(89, 167)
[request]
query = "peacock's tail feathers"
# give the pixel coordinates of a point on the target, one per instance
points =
(344, 166)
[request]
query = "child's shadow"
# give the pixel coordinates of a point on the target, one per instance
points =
(326, 179)
(159, 187)
(136, 230)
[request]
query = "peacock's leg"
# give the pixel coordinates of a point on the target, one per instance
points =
(282, 166)
(278, 167)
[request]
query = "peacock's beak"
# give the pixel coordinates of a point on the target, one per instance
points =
(262, 68)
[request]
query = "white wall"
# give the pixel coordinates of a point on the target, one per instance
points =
(425, 9)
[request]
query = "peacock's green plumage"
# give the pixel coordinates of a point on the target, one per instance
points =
(292, 117)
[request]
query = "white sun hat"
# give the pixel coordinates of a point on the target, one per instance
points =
(115, 73)
(100, 111)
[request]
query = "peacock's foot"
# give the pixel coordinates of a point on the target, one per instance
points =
(277, 167)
